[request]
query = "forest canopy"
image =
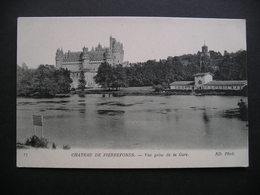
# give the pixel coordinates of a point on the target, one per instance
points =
(45, 81)
(230, 66)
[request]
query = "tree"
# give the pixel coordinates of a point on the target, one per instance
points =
(45, 81)
(231, 66)
(24, 66)
(24, 81)
(82, 81)
(111, 76)
(135, 75)
(63, 79)
(118, 77)
(104, 75)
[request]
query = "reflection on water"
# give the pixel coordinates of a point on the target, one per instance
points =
(112, 103)
(110, 112)
(205, 117)
(152, 122)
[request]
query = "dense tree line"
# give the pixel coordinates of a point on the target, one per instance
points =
(45, 81)
(111, 77)
(230, 66)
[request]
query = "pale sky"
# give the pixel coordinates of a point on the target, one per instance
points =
(144, 38)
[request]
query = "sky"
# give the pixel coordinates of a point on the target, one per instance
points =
(144, 38)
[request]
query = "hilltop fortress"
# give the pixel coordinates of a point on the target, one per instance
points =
(89, 60)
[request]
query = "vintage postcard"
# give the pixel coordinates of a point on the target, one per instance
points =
(131, 92)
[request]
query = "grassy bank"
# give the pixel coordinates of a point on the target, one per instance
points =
(124, 91)
(135, 91)
(149, 90)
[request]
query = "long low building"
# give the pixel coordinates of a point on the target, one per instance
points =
(225, 85)
(204, 81)
(182, 85)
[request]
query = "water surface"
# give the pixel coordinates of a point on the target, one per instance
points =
(143, 122)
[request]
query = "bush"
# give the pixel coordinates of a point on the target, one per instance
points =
(81, 94)
(54, 145)
(158, 88)
(66, 147)
(37, 142)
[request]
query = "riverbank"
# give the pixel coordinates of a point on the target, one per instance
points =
(149, 91)
(137, 91)
(124, 91)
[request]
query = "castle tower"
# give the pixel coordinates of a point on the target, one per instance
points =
(117, 51)
(205, 51)
(59, 58)
(204, 58)
(108, 56)
(111, 42)
(99, 47)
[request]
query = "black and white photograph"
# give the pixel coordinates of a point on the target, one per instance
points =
(131, 92)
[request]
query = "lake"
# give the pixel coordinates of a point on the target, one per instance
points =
(136, 122)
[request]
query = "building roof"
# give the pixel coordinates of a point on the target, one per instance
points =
(182, 83)
(77, 56)
(226, 83)
(72, 56)
(202, 74)
(96, 55)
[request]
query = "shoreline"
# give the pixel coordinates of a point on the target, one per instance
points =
(146, 91)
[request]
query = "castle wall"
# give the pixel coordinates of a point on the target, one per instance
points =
(85, 64)
(72, 66)
(93, 66)
(117, 58)
(58, 63)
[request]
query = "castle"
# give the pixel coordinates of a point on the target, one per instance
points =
(89, 61)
